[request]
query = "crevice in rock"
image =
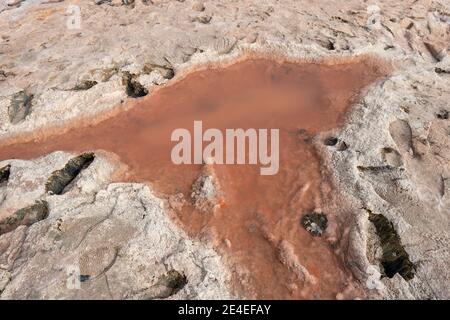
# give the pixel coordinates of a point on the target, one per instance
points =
(330, 141)
(61, 178)
(84, 277)
(315, 223)
(171, 282)
(132, 87)
(442, 114)
(167, 285)
(24, 217)
(341, 146)
(394, 259)
(4, 174)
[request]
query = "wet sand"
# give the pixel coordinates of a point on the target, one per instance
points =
(258, 227)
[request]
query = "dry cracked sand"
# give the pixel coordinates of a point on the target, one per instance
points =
(91, 207)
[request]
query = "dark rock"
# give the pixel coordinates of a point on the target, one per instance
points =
(61, 178)
(19, 107)
(174, 281)
(315, 223)
(442, 114)
(330, 141)
(132, 87)
(395, 259)
(25, 217)
(4, 174)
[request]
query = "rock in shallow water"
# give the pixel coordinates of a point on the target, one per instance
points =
(315, 223)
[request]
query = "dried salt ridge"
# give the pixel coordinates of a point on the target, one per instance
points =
(409, 188)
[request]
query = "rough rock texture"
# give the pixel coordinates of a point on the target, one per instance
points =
(61, 178)
(114, 242)
(24, 217)
(397, 165)
(391, 158)
(206, 194)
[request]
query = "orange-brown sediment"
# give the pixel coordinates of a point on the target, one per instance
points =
(258, 227)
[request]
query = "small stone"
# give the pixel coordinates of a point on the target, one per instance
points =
(165, 71)
(174, 281)
(132, 87)
(61, 178)
(330, 141)
(394, 259)
(4, 173)
(315, 223)
(84, 277)
(442, 114)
